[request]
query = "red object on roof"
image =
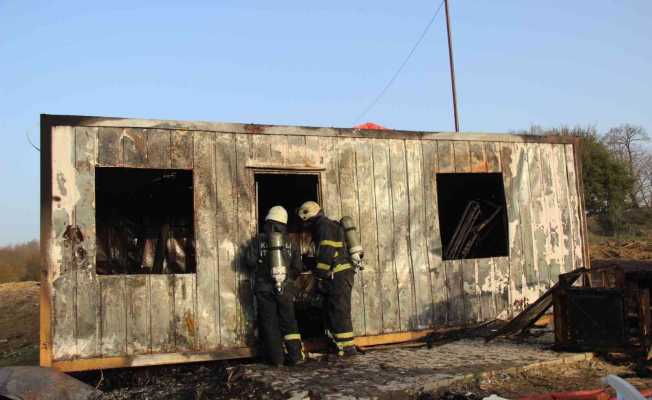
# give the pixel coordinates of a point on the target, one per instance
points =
(370, 126)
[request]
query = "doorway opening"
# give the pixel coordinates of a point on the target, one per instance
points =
(290, 190)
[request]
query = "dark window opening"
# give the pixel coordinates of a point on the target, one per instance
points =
(290, 190)
(472, 215)
(144, 221)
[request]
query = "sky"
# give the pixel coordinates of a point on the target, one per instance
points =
(518, 63)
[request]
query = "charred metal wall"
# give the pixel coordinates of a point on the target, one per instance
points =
(384, 180)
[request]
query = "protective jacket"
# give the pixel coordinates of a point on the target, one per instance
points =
(332, 255)
(337, 279)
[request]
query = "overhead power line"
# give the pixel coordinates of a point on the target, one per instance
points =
(400, 68)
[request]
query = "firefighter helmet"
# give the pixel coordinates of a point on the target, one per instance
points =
(278, 214)
(308, 210)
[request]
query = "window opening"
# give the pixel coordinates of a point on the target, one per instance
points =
(290, 190)
(472, 215)
(144, 221)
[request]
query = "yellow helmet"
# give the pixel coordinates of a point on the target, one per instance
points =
(308, 210)
(278, 214)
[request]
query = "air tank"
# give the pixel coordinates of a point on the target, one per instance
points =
(276, 259)
(352, 242)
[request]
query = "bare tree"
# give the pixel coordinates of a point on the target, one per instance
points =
(645, 168)
(625, 141)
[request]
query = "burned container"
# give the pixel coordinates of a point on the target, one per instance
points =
(146, 224)
(606, 310)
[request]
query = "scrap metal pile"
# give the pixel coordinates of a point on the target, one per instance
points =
(603, 309)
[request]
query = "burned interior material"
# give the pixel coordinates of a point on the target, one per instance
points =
(144, 221)
(472, 215)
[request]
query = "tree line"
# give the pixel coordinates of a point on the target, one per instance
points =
(20, 262)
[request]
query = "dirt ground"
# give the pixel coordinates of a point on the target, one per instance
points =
(583, 375)
(225, 380)
(628, 250)
(19, 315)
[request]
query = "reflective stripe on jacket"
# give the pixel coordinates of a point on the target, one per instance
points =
(332, 255)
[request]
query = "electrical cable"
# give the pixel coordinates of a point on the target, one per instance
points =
(398, 71)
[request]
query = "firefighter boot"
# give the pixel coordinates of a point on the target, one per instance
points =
(295, 355)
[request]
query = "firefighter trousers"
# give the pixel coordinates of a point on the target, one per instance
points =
(277, 324)
(337, 305)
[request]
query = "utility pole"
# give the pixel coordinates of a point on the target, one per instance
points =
(452, 67)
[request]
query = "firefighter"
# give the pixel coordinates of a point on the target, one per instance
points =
(275, 290)
(335, 275)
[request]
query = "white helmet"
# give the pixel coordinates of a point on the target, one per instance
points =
(308, 210)
(278, 214)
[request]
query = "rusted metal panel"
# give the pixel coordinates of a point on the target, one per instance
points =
(509, 167)
(226, 237)
(182, 149)
(574, 207)
(385, 228)
(552, 251)
(158, 148)
(502, 284)
(478, 159)
(114, 315)
(487, 288)
(530, 281)
(492, 155)
(206, 239)
(313, 154)
(185, 320)
(88, 289)
(540, 226)
(246, 225)
(349, 201)
(62, 275)
(470, 290)
(331, 180)
(454, 282)
(470, 295)
(372, 289)
(561, 181)
(455, 289)
(134, 147)
(138, 320)
(445, 157)
(109, 147)
(295, 151)
(279, 150)
(161, 289)
(417, 235)
(433, 241)
(261, 148)
(152, 359)
(401, 213)
(45, 293)
(64, 345)
(259, 129)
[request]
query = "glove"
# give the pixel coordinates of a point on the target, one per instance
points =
(356, 259)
